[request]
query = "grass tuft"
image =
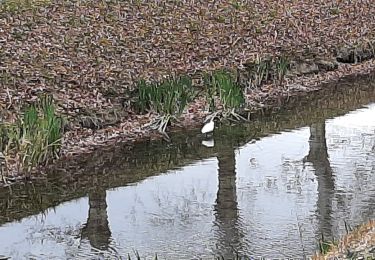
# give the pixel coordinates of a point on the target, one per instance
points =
(229, 93)
(282, 65)
(266, 69)
(168, 98)
(222, 85)
(35, 138)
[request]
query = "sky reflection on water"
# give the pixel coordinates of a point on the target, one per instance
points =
(271, 198)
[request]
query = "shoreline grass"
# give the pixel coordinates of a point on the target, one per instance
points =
(34, 139)
(168, 98)
(223, 91)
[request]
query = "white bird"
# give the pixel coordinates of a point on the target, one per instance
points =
(208, 143)
(209, 126)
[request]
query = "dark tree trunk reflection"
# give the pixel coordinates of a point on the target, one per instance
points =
(96, 230)
(318, 157)
(226, 208)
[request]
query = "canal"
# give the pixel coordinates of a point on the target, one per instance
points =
(271, 188)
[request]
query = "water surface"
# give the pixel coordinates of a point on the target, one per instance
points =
(270, 189)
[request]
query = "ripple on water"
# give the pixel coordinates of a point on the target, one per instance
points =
(274, 198)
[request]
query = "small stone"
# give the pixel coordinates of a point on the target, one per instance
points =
(304, 67)
(327, 65)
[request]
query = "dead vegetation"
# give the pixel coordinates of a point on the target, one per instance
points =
(357, 244)
(89, 55)
(88, 52)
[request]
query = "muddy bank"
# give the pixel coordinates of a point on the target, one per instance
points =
(88, 56)
(303, 85)
(258, 102)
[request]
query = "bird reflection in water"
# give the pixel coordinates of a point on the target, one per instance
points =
(208, 143)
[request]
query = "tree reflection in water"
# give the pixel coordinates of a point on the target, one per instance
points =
(226, 207)
(96, 229)
(318, 157)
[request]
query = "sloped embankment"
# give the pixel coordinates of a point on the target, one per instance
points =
(89, 54)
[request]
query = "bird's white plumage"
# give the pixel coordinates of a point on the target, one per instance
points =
(208, 127)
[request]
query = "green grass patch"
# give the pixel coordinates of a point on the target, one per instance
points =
(223, 90)
(168, 98)
(35, 138)
(282, 65)
(223, 85)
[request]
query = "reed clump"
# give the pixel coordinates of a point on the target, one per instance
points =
(265, 70)
(223, 91)
(34, 139)
(224, 94)
(168, 98)
(223, 85)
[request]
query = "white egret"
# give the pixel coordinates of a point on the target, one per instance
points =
(209, 125)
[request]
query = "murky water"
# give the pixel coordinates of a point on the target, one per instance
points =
(269, 189)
